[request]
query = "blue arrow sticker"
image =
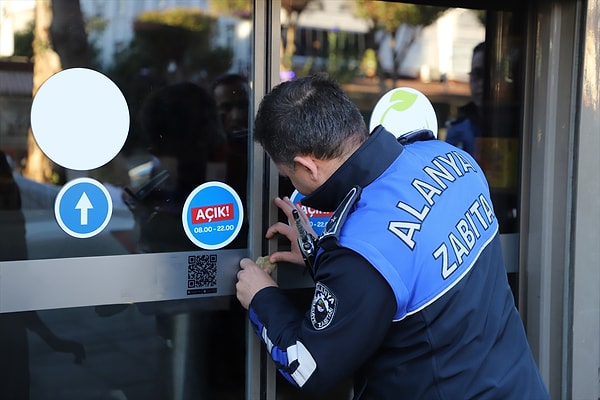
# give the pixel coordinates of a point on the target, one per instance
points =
(212, 215)
(83, 208)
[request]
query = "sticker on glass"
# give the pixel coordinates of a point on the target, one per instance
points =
(79, 119)
(83, 207)
(318, 219)
(212, 215)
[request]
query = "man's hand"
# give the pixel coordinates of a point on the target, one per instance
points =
(289, 231)
(251, 279)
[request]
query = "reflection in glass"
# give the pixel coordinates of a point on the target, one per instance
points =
(371, 47)
(173, 65)
(14, 327)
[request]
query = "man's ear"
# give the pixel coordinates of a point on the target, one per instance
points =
(309, 164)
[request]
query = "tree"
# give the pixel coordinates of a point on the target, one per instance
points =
(170, 45)
(293, 9)
(178, 42)
(392, 17)
(59, 41)
(24, 42)
(69, 35)
(239, 8)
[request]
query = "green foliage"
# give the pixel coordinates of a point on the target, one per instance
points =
(193, 20)
(340, 62)
(173, 35)
(95, 25)
(24, 41)
(391, 15)
(236, 7)
(162, 41)
(368, 64)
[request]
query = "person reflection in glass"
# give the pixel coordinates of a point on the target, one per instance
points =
(463, 131)
(184, 135)
(14, 344)
(231, 93)
(186, 141)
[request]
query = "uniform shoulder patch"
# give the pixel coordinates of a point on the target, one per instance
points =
(324, 305)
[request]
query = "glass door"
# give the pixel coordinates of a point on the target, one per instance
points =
(125, 152)
(467, 61)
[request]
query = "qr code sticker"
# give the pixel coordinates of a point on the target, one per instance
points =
(202, 274)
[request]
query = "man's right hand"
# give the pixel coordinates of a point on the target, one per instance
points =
(289, 231)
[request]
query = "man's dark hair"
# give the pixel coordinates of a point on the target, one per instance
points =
(229, 79)
(308, 116)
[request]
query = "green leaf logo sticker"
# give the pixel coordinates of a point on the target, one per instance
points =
(401, 100)
(410, 110)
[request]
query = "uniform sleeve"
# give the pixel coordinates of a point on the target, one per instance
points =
(351, 312)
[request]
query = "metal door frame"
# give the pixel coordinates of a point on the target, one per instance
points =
(560, 277)
(559, 232)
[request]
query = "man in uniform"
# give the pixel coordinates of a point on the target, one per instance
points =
(411, 297)
(463, 131)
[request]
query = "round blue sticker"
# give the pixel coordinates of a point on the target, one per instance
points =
(212, 215)
(318, 219)
(83, 207)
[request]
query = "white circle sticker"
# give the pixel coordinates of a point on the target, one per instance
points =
(403, 110)
(79, 119)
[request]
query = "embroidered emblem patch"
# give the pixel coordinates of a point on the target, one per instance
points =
(323, 307)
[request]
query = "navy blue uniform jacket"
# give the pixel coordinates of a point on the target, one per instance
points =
(411, 295)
